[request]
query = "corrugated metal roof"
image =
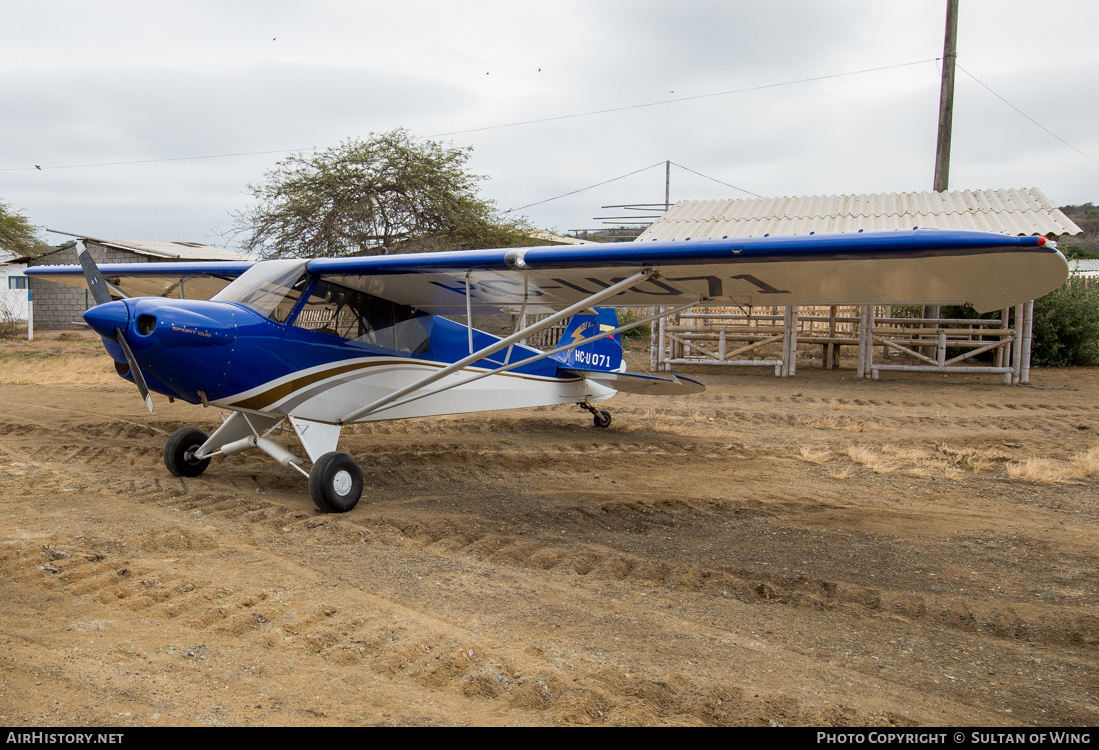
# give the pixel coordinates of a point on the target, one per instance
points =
(1088, 268)
(174, 250)
(558, 239)
(1015, 212)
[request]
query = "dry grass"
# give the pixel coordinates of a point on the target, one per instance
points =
(840, 474)
(814, 455)
(910, 455)
(60, 370)
(1083, 465)
(1043, 470)
(974, 459)
(955, 464)
(66, 358)
(831, 405)
(871, 459)
(819, 423)
(847, 424)
(1086, 464)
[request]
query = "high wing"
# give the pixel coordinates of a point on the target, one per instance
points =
(178, 280)
(986, 270)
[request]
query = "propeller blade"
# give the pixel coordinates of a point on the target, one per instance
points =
(135, 370)
(96, 283)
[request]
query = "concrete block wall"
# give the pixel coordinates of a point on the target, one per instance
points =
(58, 306)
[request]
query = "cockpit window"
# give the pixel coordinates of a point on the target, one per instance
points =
(271, 288)
(351, 314)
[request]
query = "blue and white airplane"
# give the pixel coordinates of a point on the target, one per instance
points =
(326, 342)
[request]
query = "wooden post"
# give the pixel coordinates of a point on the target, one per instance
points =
(654, 343)
(1017, 351)
(785, 369)
(830, 347)
(998, 360)
(871, 372)
(1028, 332)
(790, 341)
(862, 342)
(794, 343)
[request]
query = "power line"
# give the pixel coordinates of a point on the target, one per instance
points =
(682, 99)
(615, 179)
(489, 127)
(152, 161)
(726, 184)
(589, 187)
(1024, 114)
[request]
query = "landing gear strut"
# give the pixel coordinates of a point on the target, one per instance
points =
(601, 418)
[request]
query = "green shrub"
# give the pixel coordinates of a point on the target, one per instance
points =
(627, 316)
(1066, 326)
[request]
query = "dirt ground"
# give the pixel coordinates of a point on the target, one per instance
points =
(817, 550)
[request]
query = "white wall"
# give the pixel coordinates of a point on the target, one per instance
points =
(13, 300)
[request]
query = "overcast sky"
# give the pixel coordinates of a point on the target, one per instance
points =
(93, 83)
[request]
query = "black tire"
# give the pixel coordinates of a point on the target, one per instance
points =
(177, 452)
(602, 419)
(336, 483)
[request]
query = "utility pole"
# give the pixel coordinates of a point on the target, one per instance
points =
(667, 185)
(946, 99)
(946, 120)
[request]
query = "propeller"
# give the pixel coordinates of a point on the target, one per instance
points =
(101, 293)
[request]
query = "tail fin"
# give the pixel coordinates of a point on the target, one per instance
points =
(601, 354)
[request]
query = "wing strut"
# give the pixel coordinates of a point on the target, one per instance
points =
(504, 343)
(543, 355)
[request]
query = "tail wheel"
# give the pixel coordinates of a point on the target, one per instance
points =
(179, 452)
(602, 419)
(336, 483)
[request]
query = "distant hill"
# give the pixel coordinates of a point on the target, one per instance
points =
(1086, 245)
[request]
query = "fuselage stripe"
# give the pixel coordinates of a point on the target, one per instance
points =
(274, 394)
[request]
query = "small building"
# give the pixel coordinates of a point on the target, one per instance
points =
(13, 288)
(1085, 269)
(58, 306)
(732, 336)
(1016, 212)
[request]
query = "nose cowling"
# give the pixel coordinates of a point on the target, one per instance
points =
(176, 324)
(182, 347)
(167, 322)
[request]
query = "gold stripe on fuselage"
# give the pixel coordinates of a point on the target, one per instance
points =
(274, 394)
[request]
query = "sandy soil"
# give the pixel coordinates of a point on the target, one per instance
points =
(816, 550)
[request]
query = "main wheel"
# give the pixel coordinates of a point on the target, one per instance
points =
(602, 419)
(180, 449)
(336, 483)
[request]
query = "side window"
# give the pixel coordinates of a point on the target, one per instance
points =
(17, 282)
(351, 314)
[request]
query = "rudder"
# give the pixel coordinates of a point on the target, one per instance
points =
(603, 353)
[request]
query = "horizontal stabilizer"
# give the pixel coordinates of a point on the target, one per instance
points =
(646, 385)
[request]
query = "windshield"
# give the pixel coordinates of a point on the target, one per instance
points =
(271, 288)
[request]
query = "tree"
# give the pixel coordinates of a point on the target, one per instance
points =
(18, 235)
(391, 193)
